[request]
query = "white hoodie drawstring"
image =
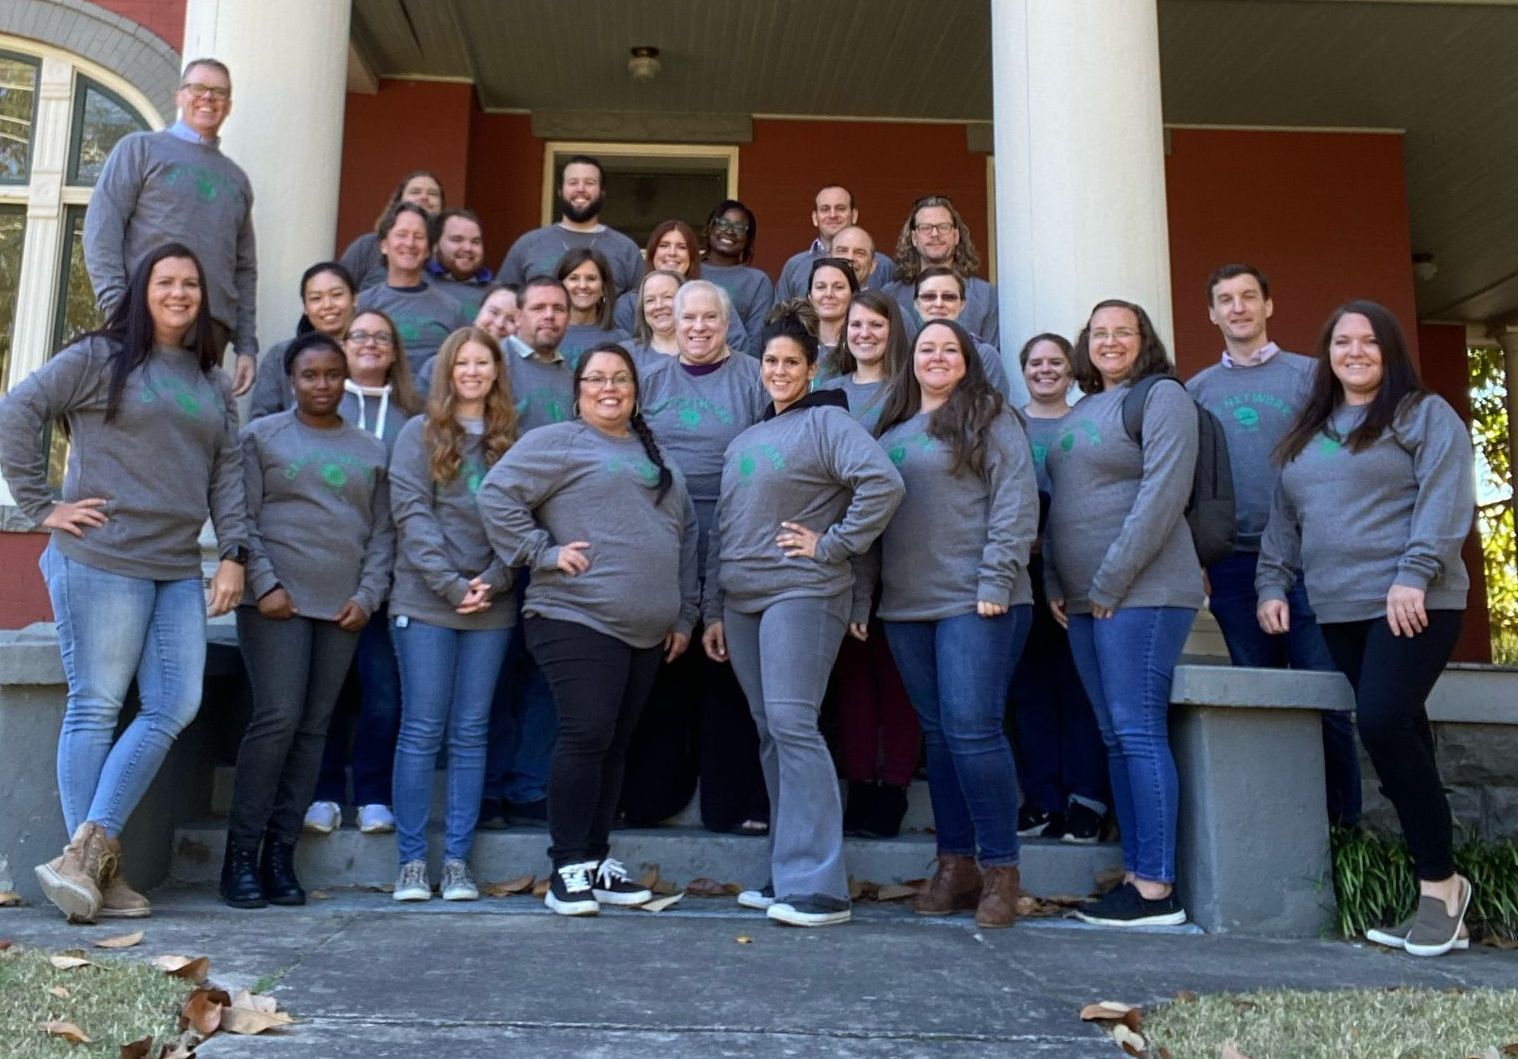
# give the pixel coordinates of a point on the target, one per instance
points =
(361, 392)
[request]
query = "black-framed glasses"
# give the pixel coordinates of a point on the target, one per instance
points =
(200, 91)
(722, 224)
(383, 339)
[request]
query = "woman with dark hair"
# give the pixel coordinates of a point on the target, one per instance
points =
(956, 605)
(1375, 499)
(731, 233)
(609, 533)
(939, 294)
(424, 315)
(327, 296)
(654, 325)
(320, 547)
(451, 609)
(1122, 574)
(592, 293)
(804, 491)
(878, 736)
(378, 399)
(365, 259)
(1058, 747)
(830, 287)
(152, 451)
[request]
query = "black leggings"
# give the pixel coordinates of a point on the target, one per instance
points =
(1392, 677)
(599, 686)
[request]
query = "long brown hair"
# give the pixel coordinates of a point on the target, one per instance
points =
(966, 259)
(692, 248)
(402, 386)
(443, 434)
(964, 420)
(572, 260)
(898, 349)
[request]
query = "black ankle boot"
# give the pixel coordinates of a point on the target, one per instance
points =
(276, 870)
(240, 887)
(859, 810)
(889, 807)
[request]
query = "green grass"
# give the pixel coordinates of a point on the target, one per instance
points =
(118, 1002)
(1346, 1024)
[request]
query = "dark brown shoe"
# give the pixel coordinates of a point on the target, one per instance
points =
(998, 897)
(955, 887)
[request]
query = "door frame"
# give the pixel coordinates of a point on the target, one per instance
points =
(713, 157)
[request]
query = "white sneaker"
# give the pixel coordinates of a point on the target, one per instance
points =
(760, 899)
(412, 884)
(375, 819)
(458, 884)
(323, 818)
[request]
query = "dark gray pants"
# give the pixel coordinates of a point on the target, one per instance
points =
(296, 668)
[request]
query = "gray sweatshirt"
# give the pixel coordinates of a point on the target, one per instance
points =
(812, 465)
(570, 482)
(168, 459)
(1116, 534)
(1041, 435)
(797, 270)
(441, 538)
(865, 398)
(1396, 513)
(271, 386)
(624, 316)
(694, 417)
(272, 394)
(156, 188)
(1256, 406)
(543, 390)
(580, 338)
(958, 539)
(318, 515)
(364, 261)
(752, 295)
(424, 315)
(469, 293)
(537, 253)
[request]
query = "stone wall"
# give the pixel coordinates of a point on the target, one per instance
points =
(1479, 765)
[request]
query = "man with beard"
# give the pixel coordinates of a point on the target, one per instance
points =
(458, 264)
(832, 211)
(580, 199)
(935, 235)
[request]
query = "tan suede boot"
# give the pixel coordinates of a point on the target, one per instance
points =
(998, 897)
(117, 899)
(955, 887)
(70, 880)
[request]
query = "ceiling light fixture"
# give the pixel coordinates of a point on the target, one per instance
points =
(644, 64)
(1425, 267)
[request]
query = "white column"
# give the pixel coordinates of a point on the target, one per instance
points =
(289, 63)
(1080, 163)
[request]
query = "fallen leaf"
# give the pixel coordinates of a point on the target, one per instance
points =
(1510, 1049)
(68, 963)
(202, 1011)
(59, 992)
(508, 887)
(662, 903)
(142, 1049)
(122, 941)
(540, 888)
(869, 890)
(649, 878)
(704, 887)
(319, 895)
(247, 1022)
(1231, 1051)
(1029, 907)
(1185, 996)
(1241, 1005)
(191, 969)
(1107, 879)
(10, 899)
(1165, 1053)
(182, 1048)
(1132, 1043)
(665, 887)
(1485, 1053)
(1066, 900)
(744, 939)
(896, 892)
(1496, 942)
(1105, 1011)
(248, 1000)
(5, 943)
(67, 1030)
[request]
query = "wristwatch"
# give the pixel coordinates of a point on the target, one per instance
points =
(238, 555)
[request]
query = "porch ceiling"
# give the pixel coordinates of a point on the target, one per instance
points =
(1317, 63)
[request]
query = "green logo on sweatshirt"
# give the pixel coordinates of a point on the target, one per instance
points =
(1067, 438)
(209, 185)
(690, 412)
(1325, 446)
(182, 398)
(334, 470)
(550, 403)
(1040, 454)
(1247, 417)
(640, 467)
(756, 456)
(921, 442)
(473, 473)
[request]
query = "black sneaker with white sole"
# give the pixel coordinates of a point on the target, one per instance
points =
(759, 899)
(1083, 824)
(810, 910)
(1031, 820)
(569, 889)
(612, 886)
(1126, 907)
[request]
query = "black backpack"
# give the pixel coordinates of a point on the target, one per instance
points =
(1210, 509)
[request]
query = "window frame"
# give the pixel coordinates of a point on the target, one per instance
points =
(35, 61)
(83, 84)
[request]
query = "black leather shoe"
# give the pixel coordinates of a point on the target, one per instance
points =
(240, 887)
(276, 870)
(859, 810)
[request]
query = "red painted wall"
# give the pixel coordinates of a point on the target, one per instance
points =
(23, 596)
(1322, 214)
(406, 125)
(163, 17)
(505, 179)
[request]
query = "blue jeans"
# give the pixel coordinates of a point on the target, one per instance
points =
(1126, 663)
(522, 725)
(110, 629)
(956, 672)
(374, 729)
(447, 679)
(1233, 603)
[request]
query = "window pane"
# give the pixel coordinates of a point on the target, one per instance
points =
(12, 234)
(18, 108)
(76, 299)
(99, 121)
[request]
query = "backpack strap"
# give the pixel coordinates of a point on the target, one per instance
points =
(1133, 405)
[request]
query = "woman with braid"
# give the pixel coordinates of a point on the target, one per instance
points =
(609, 533)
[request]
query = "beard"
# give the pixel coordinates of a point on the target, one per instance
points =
(581, 214)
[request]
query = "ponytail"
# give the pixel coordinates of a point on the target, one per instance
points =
(651, 447)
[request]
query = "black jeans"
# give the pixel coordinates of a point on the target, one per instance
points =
(1392, 676)
(296, 668)
(599, 686)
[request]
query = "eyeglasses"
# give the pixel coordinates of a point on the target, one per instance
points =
(946, 297)
(731, 227)
(1122, 334)
(621, 380)
(942, 228)
(200, 91)
(382, 339)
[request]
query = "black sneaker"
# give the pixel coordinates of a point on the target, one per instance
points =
(528, 814)
(1126, 907)
(889, 808)
(569, 890)
(1083, 824)
(1031, 819)
(810, 910)
(860, 807)
(1055, 828)
(492, 816)
(759, 899)
(613, 887)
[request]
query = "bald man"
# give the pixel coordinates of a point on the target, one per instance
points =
(855, 246)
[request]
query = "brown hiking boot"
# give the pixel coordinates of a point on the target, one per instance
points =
(998, 897)
(955, 887)
(117, 899)
(71, 880)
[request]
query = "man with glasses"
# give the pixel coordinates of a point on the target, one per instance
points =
(177, 186)
(935, 235)
(832, 211)
(581, 196)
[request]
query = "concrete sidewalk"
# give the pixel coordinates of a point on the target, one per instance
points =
(371, 979)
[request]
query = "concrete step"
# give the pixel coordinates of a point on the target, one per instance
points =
(349, 858)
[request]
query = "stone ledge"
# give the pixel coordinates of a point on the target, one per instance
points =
(29, 656)
(1472, 694)
(1247, 688)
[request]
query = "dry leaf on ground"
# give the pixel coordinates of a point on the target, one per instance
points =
(248, 1000)
(1131, 1042)
(5, 943)
(246, 1021)
(59, 992)
(202, 1011)
(661, 903)
(142, 1049)
(122, 941)
(1486, 1053)
(508, 887)
(67, 1030)
(319, 895)
(1107, 879)
(649, 877)
(1231, 1051)
(896, 892)
(1105, 1011)
(540, 888)
(183, 1048)
(665, 887)
(10, 899)
(1030, 907)
(68, 963)
(704, 887)
(744, 939)
(192, 969)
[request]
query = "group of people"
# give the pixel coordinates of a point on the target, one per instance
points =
(609, 565)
